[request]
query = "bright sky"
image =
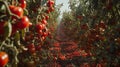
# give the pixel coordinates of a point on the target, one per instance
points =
(65, 6)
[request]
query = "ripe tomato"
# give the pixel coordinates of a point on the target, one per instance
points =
(50, 3)
(16, 10)
(44, 21)
(45, 34)
(40, 26)
(46, 17)
(47, 11)
(31, 48)
(49, 33)
(3, 59)
(23, 4)
(51, 9)
(23, 23)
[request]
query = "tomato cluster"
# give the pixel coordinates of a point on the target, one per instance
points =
(21, 22)
(50, 5)
(38, 31)
(28, 28)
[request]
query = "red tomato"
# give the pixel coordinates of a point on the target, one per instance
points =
(44, 21)
(16, 10)
(40, 26)
(23, 23)
(50, 3)
(51, 9)
(23, 4)
(49, 33)
(47, 11)
(45, 34)
(46, 17)
(31, 48)
(3, 59)
(40, 32)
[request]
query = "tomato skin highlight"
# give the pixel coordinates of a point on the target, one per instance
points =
(3, 59)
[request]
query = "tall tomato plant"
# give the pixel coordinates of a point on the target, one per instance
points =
(23, 31)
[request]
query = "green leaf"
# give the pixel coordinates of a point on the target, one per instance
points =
(8, 29)
(17, 36)
(25, 11)
(43, 2)
(23, 33)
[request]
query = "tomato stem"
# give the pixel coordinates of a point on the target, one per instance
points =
(2, 43)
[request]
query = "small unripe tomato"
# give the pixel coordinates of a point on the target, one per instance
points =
(3, 59)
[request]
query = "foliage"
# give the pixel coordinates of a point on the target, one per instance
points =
(97, 24)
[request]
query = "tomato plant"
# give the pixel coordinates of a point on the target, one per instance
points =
(24, 31)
